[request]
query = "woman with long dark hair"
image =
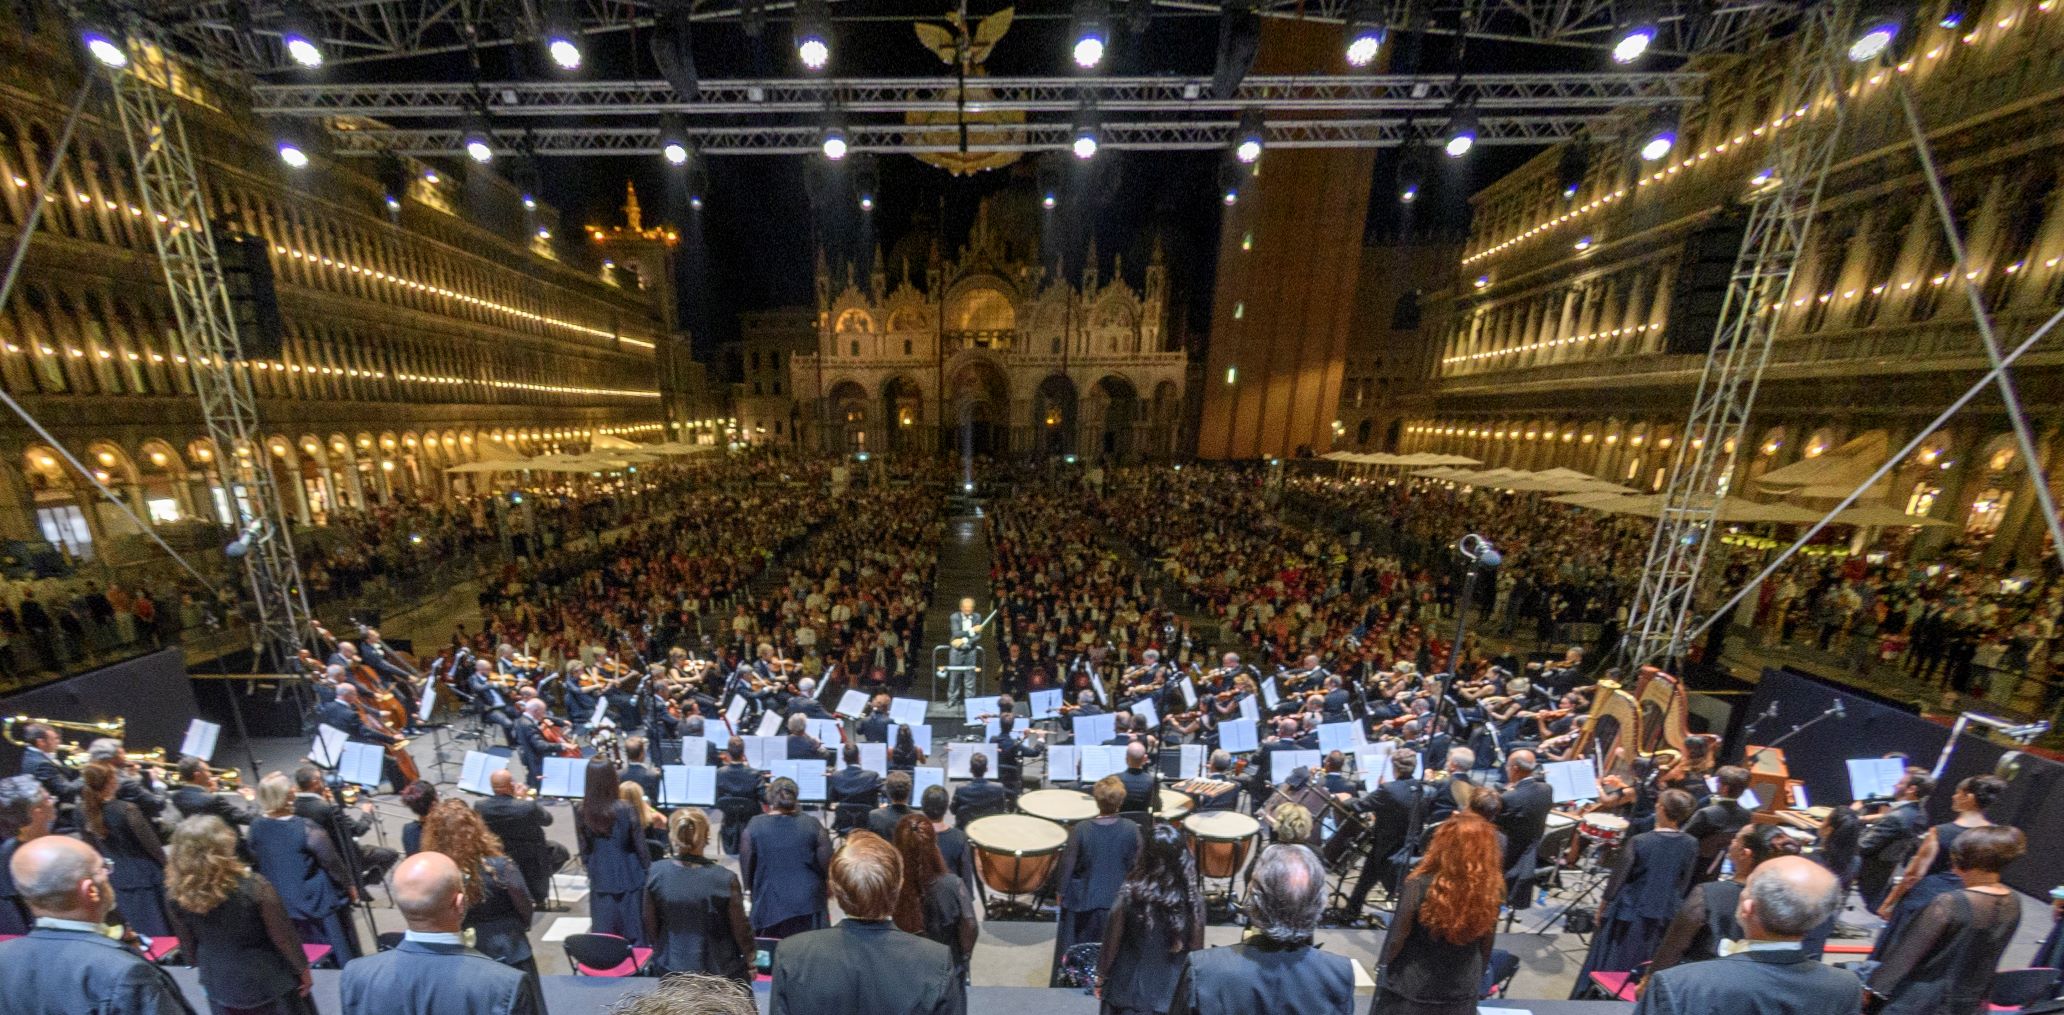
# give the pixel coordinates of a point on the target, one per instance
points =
(1944, 960)
(1440, 941)
(695, 909)
(1706, 918)
(785, 856)
(932, 901)
(906, 755)
(233, 926)
(120, 831)
(612, 848)
(1156, 921)
(1928, 871)
(499, 908)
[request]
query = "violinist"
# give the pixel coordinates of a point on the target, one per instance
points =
(582, 693)
(801, 745)
(528, 735)
(875, 723)
(1145, 681)
(1333, 703)
(804, 701)
(1085, 704)
(1012, 750)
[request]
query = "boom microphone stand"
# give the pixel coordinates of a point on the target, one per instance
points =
(1481, 556)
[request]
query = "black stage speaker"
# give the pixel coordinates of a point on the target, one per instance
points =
(1710, 252)
(253, 298)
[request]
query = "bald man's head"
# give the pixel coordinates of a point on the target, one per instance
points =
(62, 878)
(430, 893)
(1786, 898)
(502, 782)
(1135, 755)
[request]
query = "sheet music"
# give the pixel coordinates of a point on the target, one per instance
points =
(1341, 736)
(478, 769)
(1750, 800)
(761, 750)
(1144, 709)
(1282, 763)
(1572, 780)
(564, 777)
(828, 732)
(907, 711)
(924, 777)
(734, 713)
(1192, 764)
(1874, 777)
(991, 729)
(1269, 696)
(1100, 761)
(1372, 762)
(852, 703)
(1095, 729)
(975, 708)
(1238, 736)
(1062, 764)
(770, 724)
(361, 764)
(958, 754)
(200, 740)
(1096, 683)
(1047, 704)
(1189, 691)
(688, 785)
(328, 748)
(1248, 709)
(429, 703)
(694, 751)
(875, 758)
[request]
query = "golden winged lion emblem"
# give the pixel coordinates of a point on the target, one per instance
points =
(965, 52)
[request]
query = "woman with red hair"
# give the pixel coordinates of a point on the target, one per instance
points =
(1440, 941)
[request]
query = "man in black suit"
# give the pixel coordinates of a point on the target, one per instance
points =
(964, 634)
(853, 784)
(312, 801)
(1523, 816)
(636, 770)
(1457, 785)
(1140, 781)
(1714, 824)
(519, 821)
(528, 736)
(1011, 752)
(1277, 970)
(1220, 769)
(876, 726)
(865, 964)
(978, 797)
(801, 745)
(737, 781)
(1336, 700)
(66, 966)
(804, 702)
(882, 820)
(1397, 812)
(199, 793)
(39, 761)
(136, 784)
(1785, 899)
(432, 972)
(1891, 836)
(1086, 703)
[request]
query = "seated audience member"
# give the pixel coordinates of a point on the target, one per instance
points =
(1783, 901)
(1277, 969)
(1945, 957)
(432, 972)
(66, 965)
(865, 964)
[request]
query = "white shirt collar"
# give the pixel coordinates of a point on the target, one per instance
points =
(1771, 946)
(53, 923)
(431, 937)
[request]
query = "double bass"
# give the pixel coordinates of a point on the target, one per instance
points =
(397, 752)
(382, 698)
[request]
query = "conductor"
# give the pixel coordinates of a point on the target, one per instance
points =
(964, 628)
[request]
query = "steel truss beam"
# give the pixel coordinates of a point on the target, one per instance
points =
(168, 177)
(1660, 617)
(1429, 95)
(982, 137)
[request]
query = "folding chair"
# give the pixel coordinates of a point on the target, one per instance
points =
(605, 955)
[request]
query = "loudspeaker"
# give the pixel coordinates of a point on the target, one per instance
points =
(1710, 252)
(253, 298)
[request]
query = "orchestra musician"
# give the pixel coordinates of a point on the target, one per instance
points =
(1145, 681)
(39, 761)
(200, 793)
(801, 745)
(1012, 750)
(964, 629)
(531, 746)
(876, 724)
(348, 713)
(142, 786)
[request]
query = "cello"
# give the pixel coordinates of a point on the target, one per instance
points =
(381, 697)
(397, 751)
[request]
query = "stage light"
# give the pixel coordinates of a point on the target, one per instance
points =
(478, 147)
(834, 143)
(1460, 133)
(529, 203)
(1092, 32)
(1085, 143)
(1365, 32)
(393, 203)
(813, 33)
(673, 139)
(1049, 171)
(1634, 37)
(1571, 166)
(1874, 37)
(1247, 141)
(105, 46)
(866, 181)
(1048, 201)
(291, 154)
(302, 50)
(698, 183)
(1231, 175)
(1659, 136)
(562, 35)
(1411, 176)
(1953, 14)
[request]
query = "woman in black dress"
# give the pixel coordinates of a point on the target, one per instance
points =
(905, 755)
(418, 797)
(1928, 872)
(695, 909)
(612, 848)
(1093, 866)
(499, 908)
(1650, 877)
(1440, 941)
(233, 926)
(786, 856)
(303, 865)
(1157, 920)
(932, 901)
(1944, 960)
(120, 831)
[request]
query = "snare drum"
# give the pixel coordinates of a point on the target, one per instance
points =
(1605, 829)
(1221, 841)
(1016, 853)
(1063, 806)
(1173, 805)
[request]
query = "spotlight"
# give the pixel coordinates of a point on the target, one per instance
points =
(562, 35)
(834, 143)
(529, 203)
(813, 33)
(291, 154)
(1574, 162)
(1230, 176)
(866, 181)
(393, 203)
(303, 50)
(673, 139)
(1659, 136)
(1634, 38)
(478, 146)
(1763, 177)
(105, 45)
(1085, 144)
(698, 183)
(1248, 140)
(1365, 33)
(430, 176)
(299, 36)
(1048, 200)
(1092, 32)
(1411, 176)
(1874, 37)
(1049, 175)
(1953, 14)
(1460, 133)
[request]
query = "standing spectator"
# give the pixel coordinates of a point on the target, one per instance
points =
(1928, 873)
(26, 813)
(1157, 920)
(1784, 899)
(1277, 969)
(1440, 943)
(785, 855)
(432, 972)
(933, 902)
(1093, 867)
(499, 908)
(1705, 925)
(66, 966)
(301, 862)
(864, 964)
(1649, 879)
(418, 797)
(695, 909)
(125, 836)
(612, 848)
(233, 926)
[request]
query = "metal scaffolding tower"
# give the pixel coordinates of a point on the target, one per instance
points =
(168, 177)
(1660, 617)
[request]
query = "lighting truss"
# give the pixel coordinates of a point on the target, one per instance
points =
(802, 139)
(1659, 622)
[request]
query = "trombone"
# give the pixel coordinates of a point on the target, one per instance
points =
(115, 728)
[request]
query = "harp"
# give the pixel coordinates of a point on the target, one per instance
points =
(1612, 730)
(1663, 706)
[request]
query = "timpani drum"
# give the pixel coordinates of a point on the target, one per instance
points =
(1062, 806)
(1016, 853)
(1221, 841)
(1172, 805)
